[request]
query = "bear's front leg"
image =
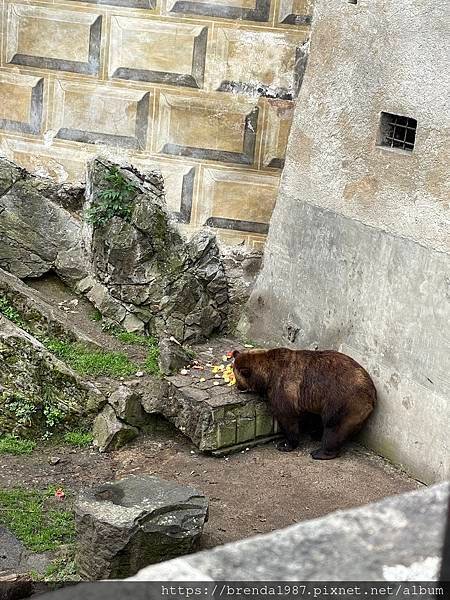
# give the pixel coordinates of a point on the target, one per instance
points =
(290, 428)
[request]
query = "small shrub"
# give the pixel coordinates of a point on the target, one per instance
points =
(94, 363)
(10, 444)
(113, 201)
(81, 439)
(136, 339)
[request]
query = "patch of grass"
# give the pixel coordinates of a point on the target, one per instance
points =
(24, 512)
(81, 439)
(9, 444)
(96, 315)
(10, 312)
(95, 363)
(136, 339)
(151, 364)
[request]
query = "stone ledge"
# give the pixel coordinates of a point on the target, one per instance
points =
(397, 539)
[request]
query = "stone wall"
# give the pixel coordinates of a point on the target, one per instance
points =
(205, 90)
(357, 257)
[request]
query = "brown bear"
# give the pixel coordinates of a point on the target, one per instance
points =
(303, 385)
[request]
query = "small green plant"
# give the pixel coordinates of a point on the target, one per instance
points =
(115, 200)
(27, 514)
(95, 363)
(81, 439)
(96, 315)
(136, 339)
(23, 408)
(151, 365)
(10, 444)
(10, 312)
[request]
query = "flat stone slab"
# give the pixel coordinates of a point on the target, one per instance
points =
(125, 525)
(214, 415)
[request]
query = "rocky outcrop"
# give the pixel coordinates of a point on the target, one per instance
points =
(41, 317)
(36, 233)
(126, 525)
(37, 391)
(143, 271)
(116, 242)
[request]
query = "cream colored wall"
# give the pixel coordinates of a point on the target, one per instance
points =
(203, 89)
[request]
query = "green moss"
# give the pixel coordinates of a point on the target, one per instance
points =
(10, 312)
(27, 514)
(81, 439)
(94, 363)
(10, 444)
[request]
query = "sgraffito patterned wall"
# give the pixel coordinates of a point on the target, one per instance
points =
(203, 89)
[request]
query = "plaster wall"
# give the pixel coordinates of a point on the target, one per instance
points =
(357, 257)
(204, 90)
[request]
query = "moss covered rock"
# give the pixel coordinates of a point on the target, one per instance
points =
(38, 393)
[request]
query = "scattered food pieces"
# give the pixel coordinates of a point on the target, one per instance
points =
(53, 460)
(59, 493)
(248, 346)
(184, 372)
(139, 374)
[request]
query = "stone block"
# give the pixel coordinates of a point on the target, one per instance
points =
(125, 525)
(109, 432)
(76, 116)
(220, 202)
(208, 129)
(246, 428)
(52, 38)
(158, 51)
(21, 103)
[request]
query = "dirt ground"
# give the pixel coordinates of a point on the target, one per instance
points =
(252, 492)
(249, 493)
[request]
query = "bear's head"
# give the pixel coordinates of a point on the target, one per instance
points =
(251, 370)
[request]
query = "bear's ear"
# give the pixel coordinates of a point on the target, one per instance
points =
(235, 353)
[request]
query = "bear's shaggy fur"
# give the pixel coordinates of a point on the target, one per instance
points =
(304, 384)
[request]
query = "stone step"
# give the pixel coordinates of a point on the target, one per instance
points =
(214, 415)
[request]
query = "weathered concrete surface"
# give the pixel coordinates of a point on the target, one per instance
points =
(399, 538)
(125, 525)
(357, 255)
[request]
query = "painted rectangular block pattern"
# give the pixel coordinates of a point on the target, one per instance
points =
(239, 201)
(272, 62)
(21, 103)
(157, 52)
(49, 38)
(295, 12)
(201, 89)
(246, 10)
(99, 114)
(207, 129)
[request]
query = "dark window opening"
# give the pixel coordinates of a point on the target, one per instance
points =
(353, 1)
(397, 131)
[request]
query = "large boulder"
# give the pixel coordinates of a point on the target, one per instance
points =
(126, 525)
(142, 265)
(37, 391)
(37, 234)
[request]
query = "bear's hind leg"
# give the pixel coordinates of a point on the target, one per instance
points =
(291, 431)
(334, 436)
